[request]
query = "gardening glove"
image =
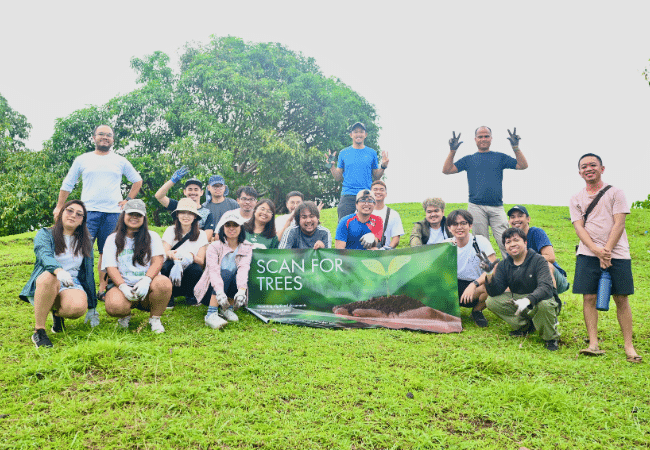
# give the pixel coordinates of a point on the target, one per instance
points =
(128, 292)
(176, 274)
(522, 304)
(240, 298)
(453, 142)
(222, 300)
(330, 159)
(93, 316)
(486, 265)
(179, 174)
(368, 240)
(64, 278)
(141, 288)
(514, 139)
(186, 259)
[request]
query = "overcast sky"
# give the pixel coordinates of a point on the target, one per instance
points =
(567, 74)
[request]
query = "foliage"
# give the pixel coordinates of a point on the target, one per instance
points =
(14, 128)
(643, 204)
(256, 385)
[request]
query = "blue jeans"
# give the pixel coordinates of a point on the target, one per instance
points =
(229, 286)
(100, 225)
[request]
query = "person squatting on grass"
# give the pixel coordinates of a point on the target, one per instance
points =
(307, 232)
(228, 261)
(260, 228)
(531, 303)
(603, 246)
(471, 293)
(133, 258)
(433, 229)
(63, 280)
(184, 244)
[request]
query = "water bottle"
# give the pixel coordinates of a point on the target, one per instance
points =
(604, 288)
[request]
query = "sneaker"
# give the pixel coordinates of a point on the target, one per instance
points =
(191, 301)
(124, 321)
(214, 321)
(552, 345)
(59, 323)
(524, 331)
(229, 315)
(171, 304)
(92, 316)
(156, 325)
(40, 339)
(479, 319)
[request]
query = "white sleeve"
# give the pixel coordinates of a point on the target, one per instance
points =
(109, 258)
(168, 235)
(156, 244)
(484, 245)
(202, 241)
(129, 172)
(395, 227)
(72, 177)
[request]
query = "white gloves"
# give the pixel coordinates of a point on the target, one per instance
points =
(128, 292)
(64, 278)
(141, 288)
(368, 240)
(176, 274)
(186, 259)
(222, 299)
(522, 304)
(240, 298)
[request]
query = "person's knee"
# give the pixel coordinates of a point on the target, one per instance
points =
(621, 301)
(490, 303)
(73, 308)
(46, 279)
(589, 300)
(116, 304)
(161, 283)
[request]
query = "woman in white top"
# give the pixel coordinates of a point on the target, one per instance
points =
(132, 257)
(185, 246)
(63, 280)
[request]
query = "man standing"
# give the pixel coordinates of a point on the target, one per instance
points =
(485, 179)
(308, 233)
(393, 228)
(362, 230)
(537, 240)
(433, 229)
(194, 191)
(283, 222)
(357, 168)
(598, 216)
(530, 305)
(101, 172)
(217, 202)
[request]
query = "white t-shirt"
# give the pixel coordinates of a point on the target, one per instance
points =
(394, 227)
(124, 262)
(102, 177)
(435, 236)
(468, 260)
(192, 247)
(280, 221)
(68, 261)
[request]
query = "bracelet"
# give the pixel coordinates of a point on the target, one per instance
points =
(128, 198)
(384, 167)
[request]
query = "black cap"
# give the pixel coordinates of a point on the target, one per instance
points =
(358, 125)
(194, 181)
(518, 208)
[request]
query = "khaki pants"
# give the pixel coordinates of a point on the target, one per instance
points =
(489, 216)
(543, 314)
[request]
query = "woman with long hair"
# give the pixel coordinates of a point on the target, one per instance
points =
(228, 261)
(185, 246)
(63, 280)
(260, 229)
(133, 256)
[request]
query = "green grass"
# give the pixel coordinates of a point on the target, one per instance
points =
(255, 385)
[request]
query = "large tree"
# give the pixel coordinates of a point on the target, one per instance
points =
(258, 114)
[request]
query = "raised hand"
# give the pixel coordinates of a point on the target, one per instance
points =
(454, 142)
(384, 159)
(486, 265)
(330, 159)
(179, 174)
(514, 139)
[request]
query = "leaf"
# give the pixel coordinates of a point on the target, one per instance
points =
(397, 263)
(374, 266)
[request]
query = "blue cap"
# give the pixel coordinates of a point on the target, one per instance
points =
(216, 179)
(518, 208)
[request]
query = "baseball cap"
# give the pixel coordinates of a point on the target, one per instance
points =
(216, 179)
(135, 206)
(194, 181)
(357, 125)
(365, 193)
(518, 208)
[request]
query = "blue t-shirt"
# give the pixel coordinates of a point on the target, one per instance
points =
(350, 230)
(485, 176)
(537, 239)
(357, 165)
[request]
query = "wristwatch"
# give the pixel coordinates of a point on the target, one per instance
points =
(476, 283)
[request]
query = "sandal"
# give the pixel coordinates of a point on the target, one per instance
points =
(592, 351)
(634, 359)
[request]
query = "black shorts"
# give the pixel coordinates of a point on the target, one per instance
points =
(462, 285)
(588, 273)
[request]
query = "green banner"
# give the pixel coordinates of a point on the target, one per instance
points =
(411, 288)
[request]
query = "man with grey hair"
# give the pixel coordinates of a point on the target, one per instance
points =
(433, 228)
(485, 179)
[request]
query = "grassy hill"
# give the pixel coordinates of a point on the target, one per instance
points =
(255, 385)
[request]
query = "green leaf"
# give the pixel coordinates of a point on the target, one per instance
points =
(374, 266)
(397, 263)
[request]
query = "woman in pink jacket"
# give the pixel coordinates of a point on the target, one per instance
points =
(227, 263)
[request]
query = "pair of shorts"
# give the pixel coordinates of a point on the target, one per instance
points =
(76, 284)
(100, 225)
(137, 305)
(462, 285)
(588, 274)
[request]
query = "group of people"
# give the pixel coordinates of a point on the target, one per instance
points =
(205, 255)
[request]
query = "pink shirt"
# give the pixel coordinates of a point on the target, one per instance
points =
(212, 273)
(601, 219)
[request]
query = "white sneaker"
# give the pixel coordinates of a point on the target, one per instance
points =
(229, 315)
(124, 321)
(214, 321)
(156, 325)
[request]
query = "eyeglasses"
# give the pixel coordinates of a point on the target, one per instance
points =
(218, 186)
(264, 210)
(459, 224)
(102, 134)
(247, 200)
(79, 214)
(367, 200)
